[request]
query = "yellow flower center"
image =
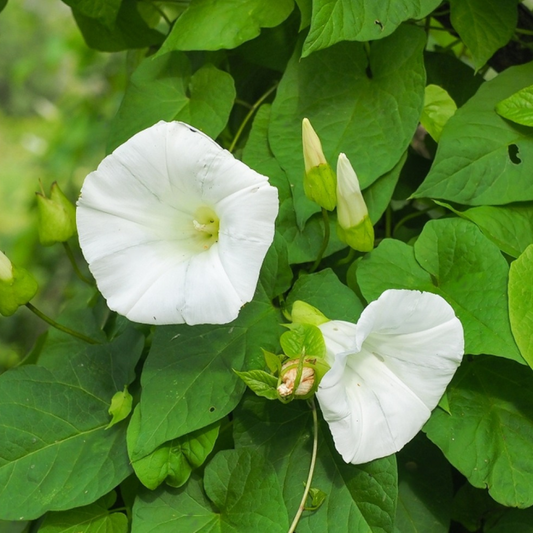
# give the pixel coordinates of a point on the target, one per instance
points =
(206, 224)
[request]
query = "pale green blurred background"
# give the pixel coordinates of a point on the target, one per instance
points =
(56, 99)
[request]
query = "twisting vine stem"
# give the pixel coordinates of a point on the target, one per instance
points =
(247, 118)
(301, 508)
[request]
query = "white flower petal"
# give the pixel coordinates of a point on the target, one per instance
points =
(389, 371)
(152, 260)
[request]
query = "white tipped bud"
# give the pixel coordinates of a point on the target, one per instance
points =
(6, 268)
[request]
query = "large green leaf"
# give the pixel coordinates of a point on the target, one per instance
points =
(93, 518)
(488, 434)
(163, 88)
(105, 11)
(242, 494)
(3, 3)
(216, 24)
(359, 498)
(325, 291)
(359, 20)
(510, 227)
(454, 259)
(518, 107)
(424, 489)
(521, 303)
(56, 452)
(484, 25)
(483, 158)
(129, 30)
(368, 109)
(187, 380)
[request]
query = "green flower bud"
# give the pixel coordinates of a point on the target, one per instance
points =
(57, 217)
(354, 227)
(17, 286)
(319, 179)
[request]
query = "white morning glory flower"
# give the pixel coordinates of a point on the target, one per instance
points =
(388, 372)
(174, 228)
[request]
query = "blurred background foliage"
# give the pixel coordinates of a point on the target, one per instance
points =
(56, 98)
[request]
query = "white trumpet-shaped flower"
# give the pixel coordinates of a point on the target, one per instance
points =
(174, 228)
(388, 372)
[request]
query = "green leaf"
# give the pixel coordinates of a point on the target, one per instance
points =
(359, 20)
(303, 340)
(260, 382)
(510, 227)
(120, 408)
(129, 30)
(521, 303)
(363, 496)
(454, 259)
(187, 382)
(484, 25)
(439, 107)
(93, 518)
(162, 88)
(518, 107)
(105, 11)
(224, 24)
(328, 294)
(3, 4)
(481, 158)
(515, 520)
(276, 273)
(373, 129)
(474, 508)
(242, 493)
(173, 461)
(59, 454)
(488, 435)
(424, 488)
(378, 195)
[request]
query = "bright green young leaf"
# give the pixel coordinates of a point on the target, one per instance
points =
(359, 20)
(93, 518)
(328, 294)
(379, 194)
(121, 404)
(57, 452)
(129, 31)
(482, 158)
(438, 108)
(370, 112)
(454, 259)
(303, 339)
(510, 227)
(224, 24)
(163, 88)
(518, 107)
(488, 435)
(424, 488)
(105, 11)
(173, 461)
(242, 494)
(187, 381)
(261, 383)
(521, 303)
(363, 496)
(484, 25)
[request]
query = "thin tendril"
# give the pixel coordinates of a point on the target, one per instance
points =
(301, 508)
(249, 116)
(64, 329)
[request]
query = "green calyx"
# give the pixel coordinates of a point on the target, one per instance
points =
(320, 186)
(359, 237)
(56, 216)
(16, 291)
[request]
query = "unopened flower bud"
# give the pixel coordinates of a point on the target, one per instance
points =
(17, 286)
(319, 179)
(57, 217)
(354, 227)
(289, 375)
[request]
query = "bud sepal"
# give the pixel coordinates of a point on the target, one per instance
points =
(17, 286)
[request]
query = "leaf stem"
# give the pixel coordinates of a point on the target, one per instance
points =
(325, 242)
(409, 217)
(64, 329)
(247, 118)
(72, 260)
(301, 508)
(347, 259)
